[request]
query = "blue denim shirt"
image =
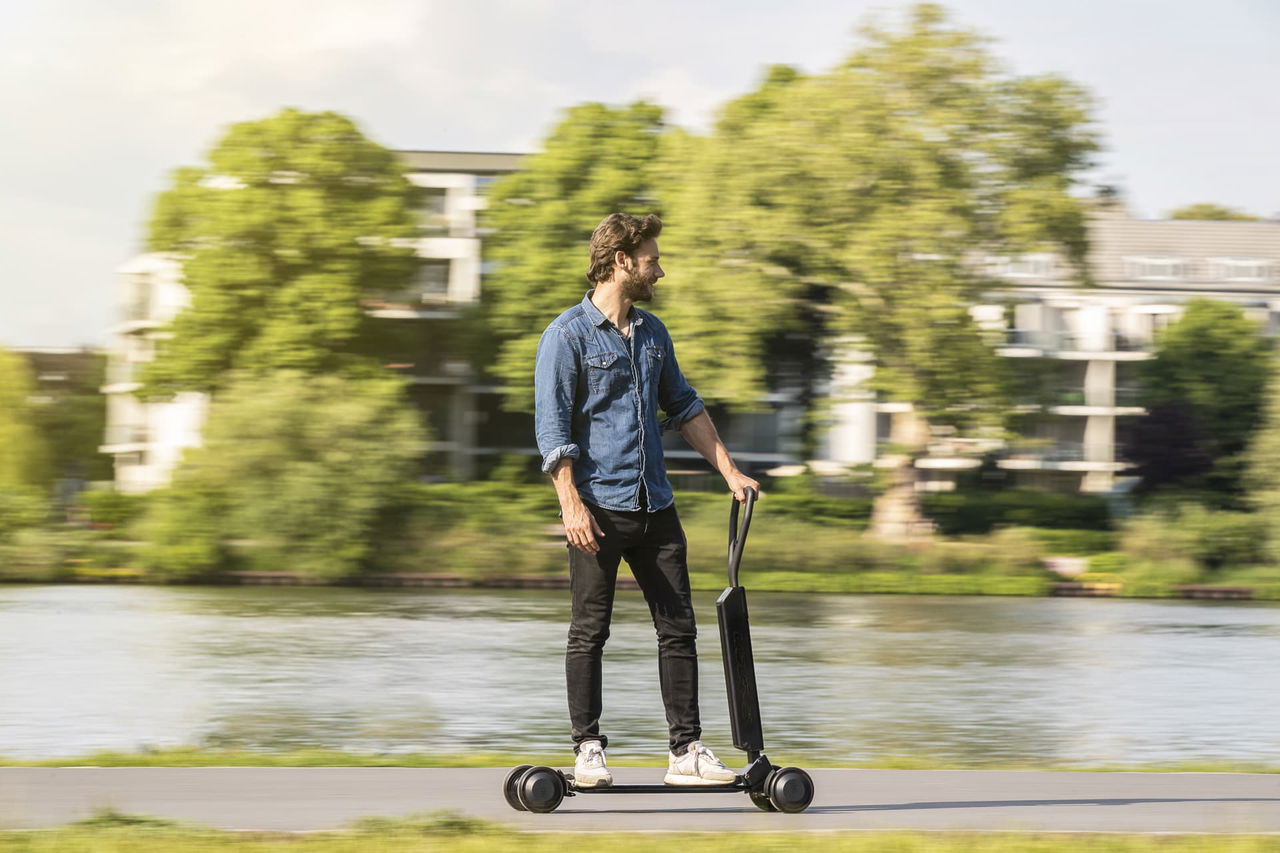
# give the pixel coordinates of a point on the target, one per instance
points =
(597, 395)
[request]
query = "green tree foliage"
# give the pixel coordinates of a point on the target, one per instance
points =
(302, 467)
(596, 161)
(1264, 466)
(741, 293)
(292, 222)
(1204, 388)
(1207, 211)
(72, 419)
(891, 171)
(24, 455)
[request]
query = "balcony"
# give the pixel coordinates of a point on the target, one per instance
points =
(122, 438)
(1050, 455)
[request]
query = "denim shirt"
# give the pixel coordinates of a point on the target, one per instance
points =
(596, 398)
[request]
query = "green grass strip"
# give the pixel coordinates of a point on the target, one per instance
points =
(114, 832)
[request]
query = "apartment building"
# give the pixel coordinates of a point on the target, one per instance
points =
(147, 439)
(1087, 343)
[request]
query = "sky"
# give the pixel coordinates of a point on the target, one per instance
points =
(103, 100)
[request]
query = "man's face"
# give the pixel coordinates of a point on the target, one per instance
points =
(641, 272)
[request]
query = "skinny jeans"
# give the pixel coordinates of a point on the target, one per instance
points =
(654, 546)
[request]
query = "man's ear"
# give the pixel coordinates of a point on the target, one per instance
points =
(620, 258)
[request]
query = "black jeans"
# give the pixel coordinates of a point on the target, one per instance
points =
(654, 546)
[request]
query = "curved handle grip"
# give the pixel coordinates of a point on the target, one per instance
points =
(738, 540)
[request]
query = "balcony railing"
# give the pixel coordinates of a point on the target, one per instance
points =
(1063, 341)
(126, 434)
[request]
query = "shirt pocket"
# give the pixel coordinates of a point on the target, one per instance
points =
(606, 373)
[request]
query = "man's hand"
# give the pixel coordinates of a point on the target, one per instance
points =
(739, 481)
(580, 527)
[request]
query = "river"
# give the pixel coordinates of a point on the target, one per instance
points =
(848, 678)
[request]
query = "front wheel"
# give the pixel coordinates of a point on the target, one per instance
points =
(789, 790)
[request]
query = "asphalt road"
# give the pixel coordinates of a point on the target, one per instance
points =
(317, 798)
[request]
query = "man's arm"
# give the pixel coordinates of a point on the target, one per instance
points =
(555, 379)
(580, 525)
(701, 434)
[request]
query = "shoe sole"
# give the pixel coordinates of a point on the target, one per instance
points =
(592, 783)
(672, 779)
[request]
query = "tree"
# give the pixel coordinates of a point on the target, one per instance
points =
(743, 298)
(1211, 366)
(1263, 473)
(303, 467)
(883, 179)
(597, 160)
(24, 455)
(294, 220)
(1207, 211)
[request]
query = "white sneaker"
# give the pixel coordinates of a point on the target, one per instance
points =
(589, 770)
(698, 766)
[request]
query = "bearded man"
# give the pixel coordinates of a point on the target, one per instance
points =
(604, 369)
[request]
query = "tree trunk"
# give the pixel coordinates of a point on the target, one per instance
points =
(896, 515)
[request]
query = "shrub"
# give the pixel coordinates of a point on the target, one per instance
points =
(959, 513)
(112, 508)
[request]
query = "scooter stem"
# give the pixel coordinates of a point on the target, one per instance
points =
(738, 540)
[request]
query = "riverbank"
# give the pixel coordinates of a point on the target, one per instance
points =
(864, 583)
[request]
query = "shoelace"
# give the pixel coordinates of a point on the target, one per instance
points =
(707, 755)
(592, 757)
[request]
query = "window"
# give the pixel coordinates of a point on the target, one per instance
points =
(1241, 269)
(483, 182)
(434, 218)
(1023, 266)
(1156, 268)
(433, 280)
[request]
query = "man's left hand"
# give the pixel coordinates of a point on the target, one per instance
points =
(738, 482)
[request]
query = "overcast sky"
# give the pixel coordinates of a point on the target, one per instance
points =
(102, 100)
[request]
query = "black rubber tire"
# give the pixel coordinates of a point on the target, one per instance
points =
(540, 789)
(509, 787)
(790, 790)
(761, 801)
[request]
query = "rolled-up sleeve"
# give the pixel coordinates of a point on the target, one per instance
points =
(676, 397)
(555, 378)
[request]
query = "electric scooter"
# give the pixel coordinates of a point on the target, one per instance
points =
(771, 788)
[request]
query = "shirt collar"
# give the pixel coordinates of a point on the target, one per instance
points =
(597, 317)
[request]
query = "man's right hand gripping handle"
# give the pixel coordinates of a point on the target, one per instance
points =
(580, 525)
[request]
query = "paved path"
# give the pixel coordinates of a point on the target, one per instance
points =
(325, 798)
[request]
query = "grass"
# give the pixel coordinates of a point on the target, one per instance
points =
(115, 832)
(897, 583)
(198, 757)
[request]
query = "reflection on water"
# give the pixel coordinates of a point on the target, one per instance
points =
(846, 677)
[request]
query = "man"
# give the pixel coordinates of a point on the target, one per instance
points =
(604, 368)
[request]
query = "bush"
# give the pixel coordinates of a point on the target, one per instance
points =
(112, 508)
(21, 508)
(1222, 539)
(1074, 542)
(959, 513)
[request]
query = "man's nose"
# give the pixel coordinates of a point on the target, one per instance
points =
(660, 272)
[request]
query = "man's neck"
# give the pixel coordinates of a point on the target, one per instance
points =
(613, 305)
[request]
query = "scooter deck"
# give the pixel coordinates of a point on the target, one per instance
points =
(735, 787)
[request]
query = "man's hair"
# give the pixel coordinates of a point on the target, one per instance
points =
(618, 232)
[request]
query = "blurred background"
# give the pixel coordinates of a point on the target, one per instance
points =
(986, 294)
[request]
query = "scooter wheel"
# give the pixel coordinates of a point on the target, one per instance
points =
(790, 789)
(509, 787)
(761, 801)
(540, 789)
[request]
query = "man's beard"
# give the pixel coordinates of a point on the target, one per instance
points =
(637, 288)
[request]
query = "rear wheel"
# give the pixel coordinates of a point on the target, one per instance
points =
(761, 801)
(509, 787)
